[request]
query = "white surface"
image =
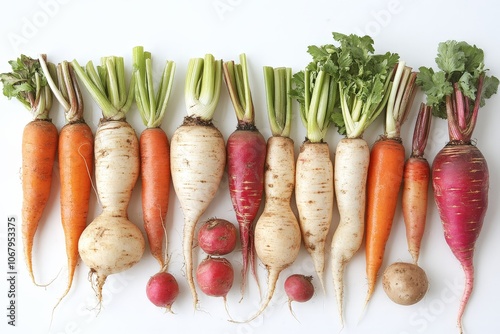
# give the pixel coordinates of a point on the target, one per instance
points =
(273, 33)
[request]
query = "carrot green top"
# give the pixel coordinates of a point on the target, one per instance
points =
(279, 101)
(459, 88)
(107, 86)
(236, 78)
(28, 84)
(202, 87)
(151, 106)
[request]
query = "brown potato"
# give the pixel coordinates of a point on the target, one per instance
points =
(405, 283)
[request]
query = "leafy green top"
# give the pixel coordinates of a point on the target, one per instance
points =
(361, 77)
(107, 86)
(28, 84)
(279, 101)
(151, 106)
(459, 88)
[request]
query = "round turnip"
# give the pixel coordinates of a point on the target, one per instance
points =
(162, 290)
(217, 236)
(405, 283)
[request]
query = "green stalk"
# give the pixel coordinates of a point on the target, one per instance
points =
(107, 86)
(202, 87)
(400, 99)
(279, 101)
(151, 106)
(236, 78)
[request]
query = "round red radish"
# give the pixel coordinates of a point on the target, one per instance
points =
(162, 290)
(299, 288)
(215, 276)
(217, 237)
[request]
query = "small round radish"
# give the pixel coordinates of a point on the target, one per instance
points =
(162, 289)
(217, 236)
(299, 288)
(405, 283)
(215, 276)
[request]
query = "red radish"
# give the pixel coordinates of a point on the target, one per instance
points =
(460, 176)
(217, 236)
(246, 154)
(162, 290)
(215, 276)
(298, 288)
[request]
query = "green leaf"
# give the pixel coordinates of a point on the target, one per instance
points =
(450, 57)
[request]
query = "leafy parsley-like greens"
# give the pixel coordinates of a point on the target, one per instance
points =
(361, 81)
(459, 88)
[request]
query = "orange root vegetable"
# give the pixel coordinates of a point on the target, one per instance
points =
(385, 173)
(39, 145)
(416, 177)
(76, 163)
(27, 84)
(154, 150)
(155, 176)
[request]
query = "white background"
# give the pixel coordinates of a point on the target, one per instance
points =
(270, 33)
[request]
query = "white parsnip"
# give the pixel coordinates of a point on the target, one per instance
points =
(111, 243)
(352, 158)
(197, 152)
(277, 231)
(314, 196)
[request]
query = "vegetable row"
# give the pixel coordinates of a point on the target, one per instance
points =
(346, 84)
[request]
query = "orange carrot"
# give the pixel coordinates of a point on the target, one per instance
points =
(385, 173)
(416, 177)
(76, 155)
(155, 176)
(154, 150)
(39, 145)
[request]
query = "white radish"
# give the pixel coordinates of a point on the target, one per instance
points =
(352, 158)
(314, 193)
(111, 243)
(314, 196)
(197, 152)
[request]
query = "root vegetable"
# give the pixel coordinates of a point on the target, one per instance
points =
(27, 84)
(154, 150)
(111, 243)
(277, 231)
(217, 236)
(215, 276)
(298, 288)
(314, 192)
(162, 290)
(76, 162)
(197, 152)
(405, 283)
(363, 91)
(246, 154)
(460, 176)
(416, 181)
(385, 173)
